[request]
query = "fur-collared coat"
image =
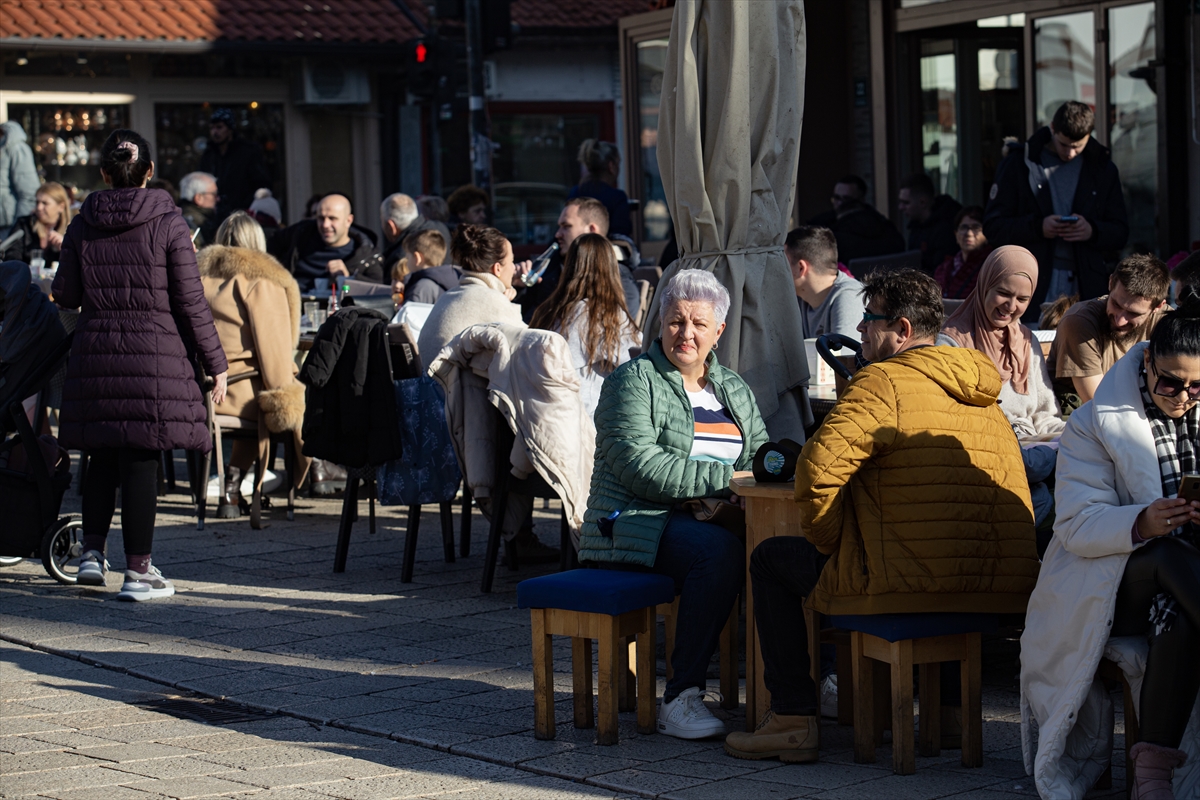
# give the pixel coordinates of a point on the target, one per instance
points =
(256, 307)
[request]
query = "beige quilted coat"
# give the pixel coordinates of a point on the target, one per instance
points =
(916, 487)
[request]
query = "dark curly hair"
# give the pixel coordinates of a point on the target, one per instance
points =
(125, 166)
(908, 293)
(477, 247)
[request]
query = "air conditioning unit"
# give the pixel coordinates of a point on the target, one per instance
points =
(329, 83)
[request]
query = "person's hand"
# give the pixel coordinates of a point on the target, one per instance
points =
(510, 293)
(738, 501)
(54, 239)
(220, 384)
(522, 271)
(337, 267)
(1080, 231)
(1165, 515)
(1053, 227)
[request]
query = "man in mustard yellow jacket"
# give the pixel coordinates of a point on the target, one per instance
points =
(913, 498)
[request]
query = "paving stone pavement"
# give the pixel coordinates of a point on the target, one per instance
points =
(369, 688)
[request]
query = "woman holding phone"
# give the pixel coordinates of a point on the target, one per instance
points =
(1124, 562)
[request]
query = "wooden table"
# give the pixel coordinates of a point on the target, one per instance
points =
(771, 510)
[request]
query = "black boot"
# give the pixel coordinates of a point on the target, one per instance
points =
(229, 506)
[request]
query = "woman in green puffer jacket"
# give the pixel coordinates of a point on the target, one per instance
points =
(672, 425)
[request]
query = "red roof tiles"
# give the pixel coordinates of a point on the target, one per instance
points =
(375, 21)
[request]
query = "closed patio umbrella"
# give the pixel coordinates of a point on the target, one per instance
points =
(728, 146)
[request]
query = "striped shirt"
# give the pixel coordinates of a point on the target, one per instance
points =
(717, 437)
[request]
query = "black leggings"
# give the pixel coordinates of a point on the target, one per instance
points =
(135, 473)
(1172, 678)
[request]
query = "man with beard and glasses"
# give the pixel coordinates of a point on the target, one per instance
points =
(1094, 334)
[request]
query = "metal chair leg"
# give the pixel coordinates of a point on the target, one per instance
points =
(289, 457)
(349, 504)
(495, 534)
(202, 489)
(369, 485)
(464, 544)
(447, 513)
(410, 543)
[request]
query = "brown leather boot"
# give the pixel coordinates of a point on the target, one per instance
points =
(1152, 768)
(229, 506)
(791, 739)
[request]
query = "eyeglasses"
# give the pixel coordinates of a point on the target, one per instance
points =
(1167, 386)
(975, 229)
(869, 317)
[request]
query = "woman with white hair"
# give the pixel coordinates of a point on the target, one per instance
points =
(672, 425)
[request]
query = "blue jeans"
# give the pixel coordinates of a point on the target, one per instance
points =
(707, 564)
(1039, 466)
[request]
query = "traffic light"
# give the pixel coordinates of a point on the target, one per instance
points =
(422, 67)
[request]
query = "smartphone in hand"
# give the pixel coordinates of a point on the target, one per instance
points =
(1189, 487)
(1070, 219)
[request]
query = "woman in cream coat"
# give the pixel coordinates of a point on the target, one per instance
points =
(1121, 579)
(256, 307)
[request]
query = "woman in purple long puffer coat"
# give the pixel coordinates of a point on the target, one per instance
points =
(131, 389)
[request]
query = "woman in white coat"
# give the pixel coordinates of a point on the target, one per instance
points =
(1123, 563)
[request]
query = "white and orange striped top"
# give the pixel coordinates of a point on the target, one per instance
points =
(717, 436)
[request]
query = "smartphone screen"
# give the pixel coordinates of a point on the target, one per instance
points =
(1189, 487)
(1069, 218)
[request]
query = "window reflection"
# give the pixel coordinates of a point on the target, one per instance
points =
(939, 117)
(1133, 117)
(1064, 55)
(651, 56)
(66, 140)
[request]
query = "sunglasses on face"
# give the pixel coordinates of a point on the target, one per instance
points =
(869, 317)
(1167, 386)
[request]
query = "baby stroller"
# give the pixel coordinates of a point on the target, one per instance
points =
(34, 471)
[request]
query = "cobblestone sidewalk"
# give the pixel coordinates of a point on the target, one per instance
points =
(380, 689)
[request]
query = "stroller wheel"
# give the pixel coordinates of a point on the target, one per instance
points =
(62, 547)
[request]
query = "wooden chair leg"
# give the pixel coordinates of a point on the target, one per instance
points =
(864, 701)
(349, 505)
(930, 739)
(447, 513)
(904, 760)
(410, 543)
(670, 615)
(543, 677)
(845, 685)
(464, 540)
(581, 682)
(610, 672)
(626, 680)
(972, 702)
(729, 658)
(647, 647)
(883, 702)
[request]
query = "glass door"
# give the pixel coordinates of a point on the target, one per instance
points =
(1064, 63)
(939, 116)
(1132, 119)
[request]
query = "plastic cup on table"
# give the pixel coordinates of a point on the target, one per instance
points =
(318, 318)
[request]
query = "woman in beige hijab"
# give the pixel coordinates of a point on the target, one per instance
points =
(990, 321)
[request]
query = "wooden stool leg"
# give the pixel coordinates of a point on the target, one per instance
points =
(610, 672)
(972, 702)
(904, 760)
(931, 709)
(581, 671)
(883, 703)
(845, 685)
(729, 658)
(670, 613)
(864, 701)
(626, 679)
(647, 648)
(543, 677)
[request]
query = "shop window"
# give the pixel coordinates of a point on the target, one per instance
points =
(939, 116)
(182, 135)
(66, 139)
(1064, 63)
(1133, 117)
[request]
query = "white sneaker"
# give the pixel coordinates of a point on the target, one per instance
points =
(686, 717)
(93, 569)
(829, 703)
(145, 585)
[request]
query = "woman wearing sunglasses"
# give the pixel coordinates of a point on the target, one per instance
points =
(1123, 563)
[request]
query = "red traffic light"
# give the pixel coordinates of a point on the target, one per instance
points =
(421, 52)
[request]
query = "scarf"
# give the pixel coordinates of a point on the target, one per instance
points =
(1010, 348)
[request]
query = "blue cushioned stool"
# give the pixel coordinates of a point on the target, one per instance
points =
(601, 604)
(902, 640)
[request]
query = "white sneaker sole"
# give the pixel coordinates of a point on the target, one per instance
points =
(692, 733)
(139, 592)
(91, 578)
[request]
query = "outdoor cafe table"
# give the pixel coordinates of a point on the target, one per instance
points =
(771, 510)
